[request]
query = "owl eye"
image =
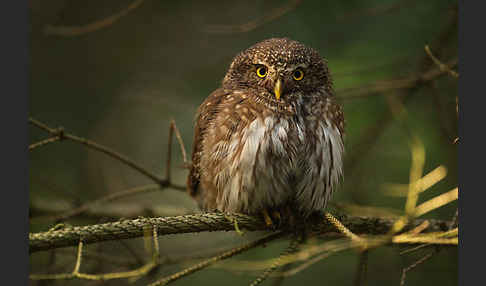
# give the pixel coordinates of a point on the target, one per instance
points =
(262, 71)
(298, 74)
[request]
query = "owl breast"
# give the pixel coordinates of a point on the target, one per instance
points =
(272, 162)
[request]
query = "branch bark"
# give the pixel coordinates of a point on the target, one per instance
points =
(198, 223)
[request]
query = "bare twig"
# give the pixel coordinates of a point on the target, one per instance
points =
(44, 142)
(361, 270)
(70, 31)
(441, 65)
(415, 248)
(412, 266)
(93, 145)
(225, 255)
(293, 245)
(173, 128)
(249, 26)
(107, 276)
(408, 82)
(104, 258)
(305, 265)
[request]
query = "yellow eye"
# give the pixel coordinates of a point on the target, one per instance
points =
(298, 74)
(261, 71)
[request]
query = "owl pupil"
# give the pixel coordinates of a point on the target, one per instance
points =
(262, 71)
(298, 75)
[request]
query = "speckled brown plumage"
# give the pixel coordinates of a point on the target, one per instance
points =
(269, 142)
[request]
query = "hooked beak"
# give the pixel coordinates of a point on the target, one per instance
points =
(278, 89)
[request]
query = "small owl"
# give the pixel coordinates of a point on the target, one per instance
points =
(270, 140)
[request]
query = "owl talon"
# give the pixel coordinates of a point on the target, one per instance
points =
(268, 219)
(276, 215)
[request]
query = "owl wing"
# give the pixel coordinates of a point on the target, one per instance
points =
(205, 114)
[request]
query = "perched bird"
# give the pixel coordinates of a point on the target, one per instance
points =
(270, 140)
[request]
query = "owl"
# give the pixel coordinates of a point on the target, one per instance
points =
(269, 141)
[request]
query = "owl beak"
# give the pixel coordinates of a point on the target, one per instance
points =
(278, 89)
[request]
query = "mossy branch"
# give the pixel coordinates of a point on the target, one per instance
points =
(133, 228)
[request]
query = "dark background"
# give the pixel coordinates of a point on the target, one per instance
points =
(121, 84)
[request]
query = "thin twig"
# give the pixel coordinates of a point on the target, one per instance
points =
(154, 262)
(181, 143)
(407, 82)
(225, 255)
(291, 248)
(93, 145)
(441, 65)
(412, 266)
(173, 128)
(44, 142)
(70, 31)
(102, 257)
(306, 264)
(361, 270)
(415, 248)
(249, 26)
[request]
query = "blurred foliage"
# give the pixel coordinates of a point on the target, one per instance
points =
(120, 85)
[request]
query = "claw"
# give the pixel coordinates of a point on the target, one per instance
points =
(268, 219)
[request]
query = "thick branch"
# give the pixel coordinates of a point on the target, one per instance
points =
(196, 223)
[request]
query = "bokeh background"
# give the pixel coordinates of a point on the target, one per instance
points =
(120, 84)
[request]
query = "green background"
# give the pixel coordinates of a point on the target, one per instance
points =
(120, 86)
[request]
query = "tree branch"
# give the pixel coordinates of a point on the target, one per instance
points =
(408, 82)
(70, 31)
(98, 147)
(198, 223)
(252, 25)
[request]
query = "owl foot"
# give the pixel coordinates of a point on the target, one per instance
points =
(268, 219)
(277, 217)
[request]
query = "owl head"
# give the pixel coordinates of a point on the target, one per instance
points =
(279, 70)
